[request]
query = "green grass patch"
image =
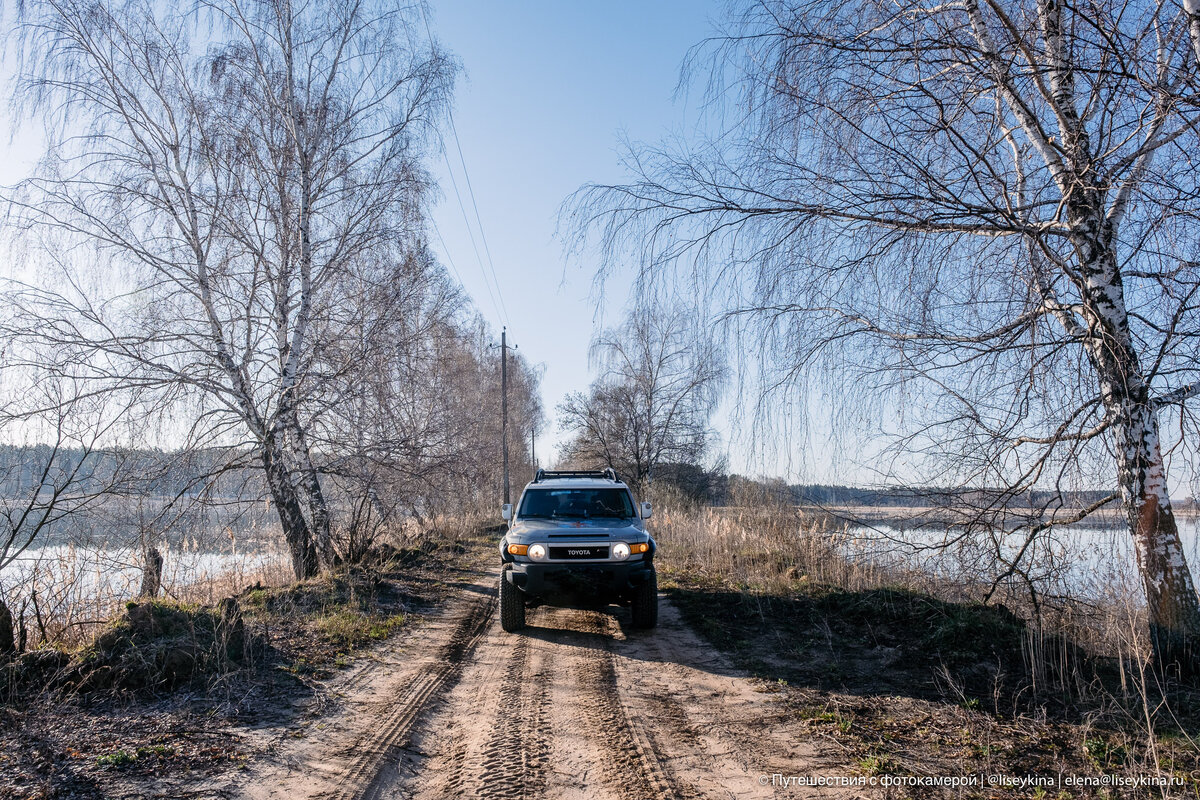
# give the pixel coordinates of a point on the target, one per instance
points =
(316, 625)
(1104, 753)
(877, 765)
(156, 750)
(119, 758)
(348, 628)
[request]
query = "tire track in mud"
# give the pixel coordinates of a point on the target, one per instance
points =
(662, 712)
(669, 713)
(628, 747)
(516, 754)
(364, 774)
(734, 737)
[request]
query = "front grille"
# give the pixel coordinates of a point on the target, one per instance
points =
(578, 552)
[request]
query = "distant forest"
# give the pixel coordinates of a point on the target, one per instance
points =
(715, 487)
(226, 473)
(821, 495)
(217, 472)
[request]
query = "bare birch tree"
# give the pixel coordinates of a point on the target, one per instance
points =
(231, 184)
(391, 433)
(986, 206)
(421, 417)
(658, 386)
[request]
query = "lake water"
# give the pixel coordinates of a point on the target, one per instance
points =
(1078, 561)
(93, 580)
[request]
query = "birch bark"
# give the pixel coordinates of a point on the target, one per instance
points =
(1173, 608)
(305, 563)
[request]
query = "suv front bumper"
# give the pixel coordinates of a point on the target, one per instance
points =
(605, 580)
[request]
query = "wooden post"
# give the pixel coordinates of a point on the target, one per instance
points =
(504, 406)
(152, 565)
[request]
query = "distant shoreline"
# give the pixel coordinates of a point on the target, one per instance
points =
(918, 517)
(908, 517)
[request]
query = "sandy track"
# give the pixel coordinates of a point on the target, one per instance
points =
(576, 706)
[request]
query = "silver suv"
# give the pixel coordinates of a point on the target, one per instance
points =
(577, 539)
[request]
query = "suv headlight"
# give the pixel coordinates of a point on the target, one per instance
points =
(620, 551)
(537, 552)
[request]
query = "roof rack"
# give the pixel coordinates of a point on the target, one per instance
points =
(549, 474)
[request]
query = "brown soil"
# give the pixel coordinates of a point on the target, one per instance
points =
(576, 706)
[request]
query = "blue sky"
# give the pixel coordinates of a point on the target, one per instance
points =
(546, 94)
(547, 91)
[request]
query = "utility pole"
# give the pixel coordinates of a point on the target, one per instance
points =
(533, 447)
(504, 406)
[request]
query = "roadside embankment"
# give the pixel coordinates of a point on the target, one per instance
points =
(914, 676)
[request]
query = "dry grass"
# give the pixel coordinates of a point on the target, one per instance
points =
(764, 549)
(73, 597)
(778, 550)
(909, 670)
(69, 592)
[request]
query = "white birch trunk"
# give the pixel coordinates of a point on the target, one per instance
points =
(310, 481)
(1172, 605)
(1192, 9)
(1174, 613)
(287, 504)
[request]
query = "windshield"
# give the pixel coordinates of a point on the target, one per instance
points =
(576, 503)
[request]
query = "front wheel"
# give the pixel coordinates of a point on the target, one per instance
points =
(645, 604)
(512, 604)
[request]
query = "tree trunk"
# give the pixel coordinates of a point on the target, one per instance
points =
(311, 482)
(1174, 611)
(1172, 606)
(322, 529)
(152, 565)
(295, 529)
(8, 645)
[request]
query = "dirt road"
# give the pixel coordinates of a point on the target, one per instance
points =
(576, 706)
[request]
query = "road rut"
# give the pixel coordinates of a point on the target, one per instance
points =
(578, 705)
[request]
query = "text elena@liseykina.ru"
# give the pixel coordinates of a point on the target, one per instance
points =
(1007, 781)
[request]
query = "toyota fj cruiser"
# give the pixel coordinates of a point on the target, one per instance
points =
(577, 539)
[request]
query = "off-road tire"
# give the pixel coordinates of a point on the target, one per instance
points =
(645, 604)
(512, 603)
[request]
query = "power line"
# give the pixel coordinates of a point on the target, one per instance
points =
(501, 309)
(478, 220)
(446, 250)
(479, 259)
